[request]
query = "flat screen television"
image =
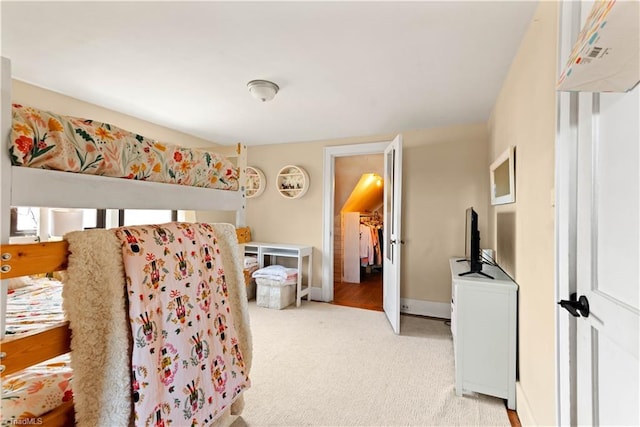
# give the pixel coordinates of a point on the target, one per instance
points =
(472, 252)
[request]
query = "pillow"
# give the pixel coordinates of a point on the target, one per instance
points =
(18, 282)
(22, 281)
(60, 276)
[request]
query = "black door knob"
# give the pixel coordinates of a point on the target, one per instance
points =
(576, 306)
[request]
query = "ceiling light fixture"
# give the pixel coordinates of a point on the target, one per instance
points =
(262, 89)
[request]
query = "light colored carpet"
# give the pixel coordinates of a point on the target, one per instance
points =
(328, 365)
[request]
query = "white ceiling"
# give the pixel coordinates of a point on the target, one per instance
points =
(344, 68)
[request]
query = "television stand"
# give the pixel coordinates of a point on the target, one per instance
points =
(484, 318)
(479, 272)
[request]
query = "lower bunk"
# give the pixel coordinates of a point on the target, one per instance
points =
(39, 394)
(24, 352)
(34, 312)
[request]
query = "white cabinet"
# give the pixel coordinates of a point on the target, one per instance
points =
(256, 182)
(351, 247)
(292, 182)
(483, 325)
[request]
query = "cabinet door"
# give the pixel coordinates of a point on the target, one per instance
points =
(454, 321)
(483, 326)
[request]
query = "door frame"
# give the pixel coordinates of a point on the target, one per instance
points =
(566, 218)
(328, 194)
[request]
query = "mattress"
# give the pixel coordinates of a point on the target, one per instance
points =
(31, 393)
(35, 305)
(41, 139)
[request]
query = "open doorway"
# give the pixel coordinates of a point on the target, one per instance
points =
(392, 154)
(331, 271)
(358, 231)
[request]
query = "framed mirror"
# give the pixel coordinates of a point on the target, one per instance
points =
(503, 178)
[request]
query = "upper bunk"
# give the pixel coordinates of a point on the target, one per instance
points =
(36, 187)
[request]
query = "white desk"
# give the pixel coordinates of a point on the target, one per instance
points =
(275, 250)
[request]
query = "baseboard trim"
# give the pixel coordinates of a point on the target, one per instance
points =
(425, 308)
(316, 294)
(441, 310)
(524, 410)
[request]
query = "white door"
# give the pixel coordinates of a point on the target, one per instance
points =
(597, 182)
(607, 267)
(392, 236)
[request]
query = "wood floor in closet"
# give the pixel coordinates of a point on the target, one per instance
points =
(367, 294)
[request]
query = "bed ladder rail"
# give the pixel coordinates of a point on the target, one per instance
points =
(32, 258)
(24, 350)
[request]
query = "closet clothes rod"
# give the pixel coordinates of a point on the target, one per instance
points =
(370, 219)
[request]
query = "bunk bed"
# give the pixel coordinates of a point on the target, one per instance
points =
(35, 187)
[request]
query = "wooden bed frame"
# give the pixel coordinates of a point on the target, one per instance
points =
(24, 350)
(22, 186)
(29, 349)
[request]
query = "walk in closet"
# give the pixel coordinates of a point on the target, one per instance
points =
(362, 245)
(358, 230)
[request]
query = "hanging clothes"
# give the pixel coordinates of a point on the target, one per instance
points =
(370, 247)
(377, 232)
(366, 245)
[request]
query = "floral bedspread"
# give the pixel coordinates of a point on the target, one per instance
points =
(36, 390)
(34, 306)
(45, 140)
(186, 364)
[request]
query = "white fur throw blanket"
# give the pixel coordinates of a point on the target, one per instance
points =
(94, 301)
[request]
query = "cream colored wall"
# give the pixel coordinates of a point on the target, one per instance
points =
(444, 172)
(524, 115)
(440, 182)
(33, 96)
